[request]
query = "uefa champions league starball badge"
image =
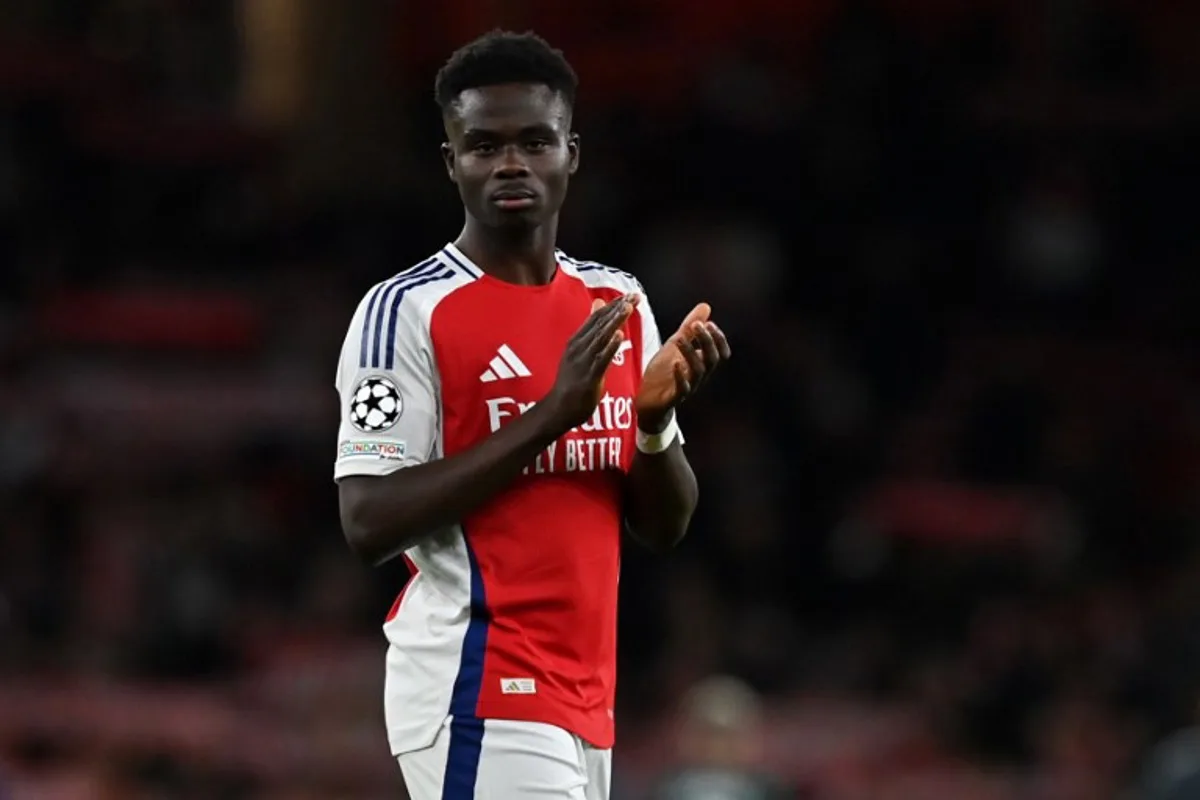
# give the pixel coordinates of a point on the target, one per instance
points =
(375, 405)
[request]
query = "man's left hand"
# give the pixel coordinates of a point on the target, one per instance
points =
(682, 365)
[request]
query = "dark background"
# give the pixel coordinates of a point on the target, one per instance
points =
(949, 483)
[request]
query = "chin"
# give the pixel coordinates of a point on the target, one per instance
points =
(521, 220)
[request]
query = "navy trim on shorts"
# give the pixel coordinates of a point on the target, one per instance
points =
(462, 759)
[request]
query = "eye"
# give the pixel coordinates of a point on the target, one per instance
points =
(538, 145)
(483, 148)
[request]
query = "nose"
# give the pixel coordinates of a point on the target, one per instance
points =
(512, 164)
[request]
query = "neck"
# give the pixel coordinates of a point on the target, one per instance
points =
(524, 256)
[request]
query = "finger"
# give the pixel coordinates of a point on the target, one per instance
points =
(708, 346)
(695, 361)
(601, 311)
(618, 306)
(610, 323)
(700, 313)
(599, 307)
(604, 357)
(610, 320)
(722, 343)
(683, 387)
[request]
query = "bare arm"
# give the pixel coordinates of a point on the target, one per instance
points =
(383, 516)
(661, 489)
(661, 496)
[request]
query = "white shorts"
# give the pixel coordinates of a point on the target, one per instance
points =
(473, 759)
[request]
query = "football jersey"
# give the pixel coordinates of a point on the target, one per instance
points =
(512, 612)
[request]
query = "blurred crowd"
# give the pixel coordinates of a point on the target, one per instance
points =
(946, 542)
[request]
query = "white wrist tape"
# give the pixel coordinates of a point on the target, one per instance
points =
(653, 443)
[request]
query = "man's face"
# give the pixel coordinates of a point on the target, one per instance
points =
(511, 153)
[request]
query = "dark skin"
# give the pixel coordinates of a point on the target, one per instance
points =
(511, 139)
(511, 152)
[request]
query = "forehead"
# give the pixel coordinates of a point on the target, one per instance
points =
(510, 106)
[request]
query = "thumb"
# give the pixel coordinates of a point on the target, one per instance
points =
(597, 305)
(700, 313)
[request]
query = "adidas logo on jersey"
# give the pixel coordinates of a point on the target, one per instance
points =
(504, 366)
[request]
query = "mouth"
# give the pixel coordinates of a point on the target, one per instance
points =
(514, 199)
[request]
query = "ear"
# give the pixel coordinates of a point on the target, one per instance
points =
(572, 153)
(448, 159)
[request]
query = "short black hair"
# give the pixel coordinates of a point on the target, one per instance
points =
(505, 57)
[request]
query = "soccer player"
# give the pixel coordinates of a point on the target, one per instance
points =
(506, 411)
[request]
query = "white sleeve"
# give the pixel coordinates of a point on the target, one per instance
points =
(651, 338)
(390, 408)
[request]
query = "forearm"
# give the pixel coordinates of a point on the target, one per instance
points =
(661, 496)
(385, 516)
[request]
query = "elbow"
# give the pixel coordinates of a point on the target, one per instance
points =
(662, 535)
(378, 522)
(660, 524)
(663, 540)
(363, 540)
(368, 539)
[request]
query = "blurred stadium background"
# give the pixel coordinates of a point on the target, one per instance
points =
(947, 540)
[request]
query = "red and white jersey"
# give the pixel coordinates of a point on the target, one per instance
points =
(512, 613)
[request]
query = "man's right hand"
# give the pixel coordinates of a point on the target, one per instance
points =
(580, 383)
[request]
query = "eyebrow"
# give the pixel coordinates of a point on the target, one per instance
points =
(541, 127)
